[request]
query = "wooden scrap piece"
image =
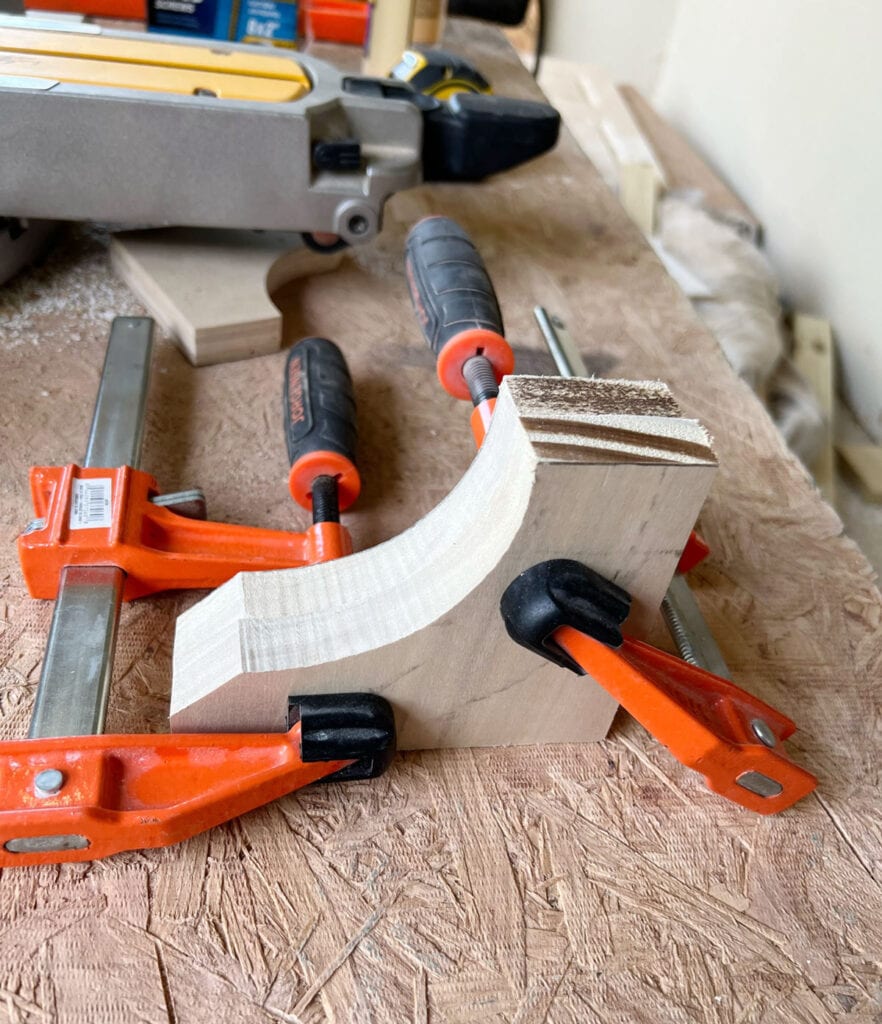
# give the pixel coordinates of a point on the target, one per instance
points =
(865, 461)
(210, 289)
(606, 472)
(639, 189)
(604, 127)
(685, 169)
(813, 357)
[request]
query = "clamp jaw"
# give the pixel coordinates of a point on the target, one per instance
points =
(77, 798)
(157, 548)
(572, 616)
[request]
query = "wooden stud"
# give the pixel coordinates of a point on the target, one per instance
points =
(210, 289)
(606, 472)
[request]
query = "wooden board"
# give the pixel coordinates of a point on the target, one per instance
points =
(605, 472)
(566, 884)
(685, 169)
(211, 289)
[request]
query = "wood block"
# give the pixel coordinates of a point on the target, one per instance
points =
(608, 133)
(685, 169)
(210, 289)
(606, 472)
(813, 357)
(638, 192)
(389, 35)
(865, 461)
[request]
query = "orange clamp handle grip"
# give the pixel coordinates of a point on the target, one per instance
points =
(708, 723)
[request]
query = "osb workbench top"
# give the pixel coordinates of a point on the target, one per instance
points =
(567, 885)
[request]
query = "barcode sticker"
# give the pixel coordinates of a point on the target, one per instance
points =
(90, 503)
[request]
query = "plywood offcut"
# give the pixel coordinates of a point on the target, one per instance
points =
(210, 289)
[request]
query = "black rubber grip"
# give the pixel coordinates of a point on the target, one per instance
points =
(319, 402)
(449, 286)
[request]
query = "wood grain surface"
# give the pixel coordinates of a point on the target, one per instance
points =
(423, 608)
(566, 884)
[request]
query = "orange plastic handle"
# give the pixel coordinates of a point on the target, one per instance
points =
(134, 792)
(707, 722)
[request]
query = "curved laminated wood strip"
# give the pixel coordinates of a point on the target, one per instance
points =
(605, 472)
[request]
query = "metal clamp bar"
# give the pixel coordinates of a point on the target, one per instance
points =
(689, 631)
(567, 358)
(75, 680)
(78, 661)
(118, 421)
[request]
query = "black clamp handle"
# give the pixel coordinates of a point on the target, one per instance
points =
(457, 309)
(449, 285)
(319, 420)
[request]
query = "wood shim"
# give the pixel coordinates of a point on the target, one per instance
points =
(684, 169)
(602, 471)
(210, 289)
(813, 357)
(609, 135)
(865, 461)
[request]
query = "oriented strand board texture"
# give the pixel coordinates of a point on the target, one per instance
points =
(565, 885)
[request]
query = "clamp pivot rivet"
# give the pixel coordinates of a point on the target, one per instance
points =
(48, 782)
(762, 732)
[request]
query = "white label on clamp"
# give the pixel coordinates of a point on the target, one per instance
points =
(90, 505)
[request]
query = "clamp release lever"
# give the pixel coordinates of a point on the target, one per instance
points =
(572, 616)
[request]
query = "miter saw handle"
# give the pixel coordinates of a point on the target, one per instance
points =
(471, 136)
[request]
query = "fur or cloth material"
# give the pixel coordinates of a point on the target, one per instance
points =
(744, 314)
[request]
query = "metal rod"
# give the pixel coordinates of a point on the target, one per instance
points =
(118, 420)
(682, 615)
(694, 640)
(77, 666)
(567, 358)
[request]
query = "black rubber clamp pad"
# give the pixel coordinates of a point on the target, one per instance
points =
(338, 726)
(563, 592)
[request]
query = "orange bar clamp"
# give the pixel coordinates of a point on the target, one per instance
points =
(708, 723)
(82, 797)
(70, 798)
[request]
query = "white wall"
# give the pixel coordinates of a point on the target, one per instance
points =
(627, 37)
(784, 97)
